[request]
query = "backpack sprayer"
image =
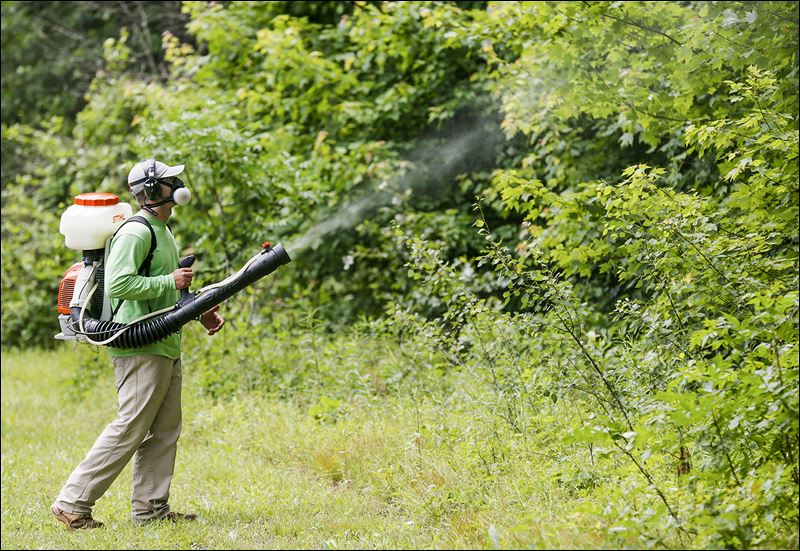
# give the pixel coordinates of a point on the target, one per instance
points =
(84, 307)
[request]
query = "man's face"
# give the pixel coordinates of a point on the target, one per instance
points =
(168, 188)
(166, 191)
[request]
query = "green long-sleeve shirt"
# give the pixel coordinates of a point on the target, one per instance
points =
(143, 294)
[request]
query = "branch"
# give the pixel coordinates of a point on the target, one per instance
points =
(652, 484)
(597, 369)
(639, 25)
(725, 449)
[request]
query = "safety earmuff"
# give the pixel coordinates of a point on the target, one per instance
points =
(152, 187)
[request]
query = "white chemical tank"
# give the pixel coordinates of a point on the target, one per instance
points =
(93, 218)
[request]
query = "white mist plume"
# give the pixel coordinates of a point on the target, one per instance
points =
(448, 155)
(345, 216)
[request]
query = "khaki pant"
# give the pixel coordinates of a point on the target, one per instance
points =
(147, 428)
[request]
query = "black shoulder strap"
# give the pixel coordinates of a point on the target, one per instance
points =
(144, 268)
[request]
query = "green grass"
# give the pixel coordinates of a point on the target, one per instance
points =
(264, 473)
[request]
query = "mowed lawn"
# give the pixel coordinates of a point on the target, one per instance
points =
(264, 473)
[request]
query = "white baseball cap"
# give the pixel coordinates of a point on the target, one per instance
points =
(139, 171)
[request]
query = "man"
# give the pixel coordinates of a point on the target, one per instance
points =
(148, 379)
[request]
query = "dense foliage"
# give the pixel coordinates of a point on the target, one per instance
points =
(583, 207)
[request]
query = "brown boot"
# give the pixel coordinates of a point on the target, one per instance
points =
(75, 521)
(175, 517)
(172, 516)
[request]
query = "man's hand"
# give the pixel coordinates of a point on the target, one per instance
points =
(183, 278)
(212, 321)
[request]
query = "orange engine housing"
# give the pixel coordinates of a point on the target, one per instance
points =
(67, 287)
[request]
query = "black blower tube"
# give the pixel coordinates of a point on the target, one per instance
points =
(188, 308)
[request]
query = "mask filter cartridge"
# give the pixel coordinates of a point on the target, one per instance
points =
(182, 196)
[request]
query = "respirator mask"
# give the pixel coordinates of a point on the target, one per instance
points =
(151, 184)
(180, 194)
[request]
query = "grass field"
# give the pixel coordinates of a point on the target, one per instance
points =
(264, 473)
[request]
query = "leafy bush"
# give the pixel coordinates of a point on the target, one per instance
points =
(626, 305)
